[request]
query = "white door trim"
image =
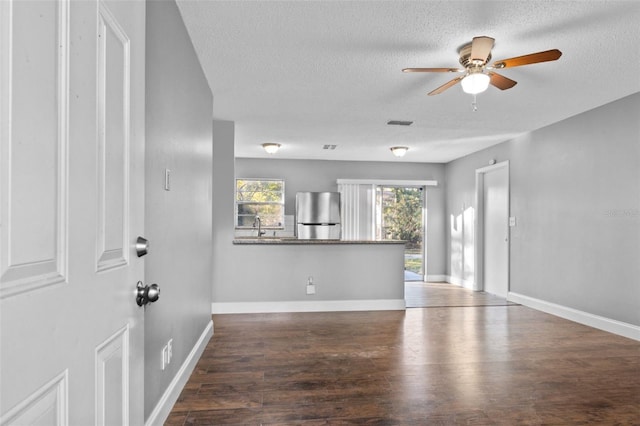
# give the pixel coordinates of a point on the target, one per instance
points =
(478, 281)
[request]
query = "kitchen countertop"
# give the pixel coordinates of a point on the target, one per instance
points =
(295, 241)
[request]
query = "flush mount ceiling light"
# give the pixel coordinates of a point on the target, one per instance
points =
(271, 148)
(475, 82)
(399, 151)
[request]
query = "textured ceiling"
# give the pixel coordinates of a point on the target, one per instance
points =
(310, 73)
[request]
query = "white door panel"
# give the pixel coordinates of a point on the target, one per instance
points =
(71, 206)
(496, 231)
(34, 112)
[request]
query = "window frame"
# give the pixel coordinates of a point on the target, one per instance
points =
(280, 203)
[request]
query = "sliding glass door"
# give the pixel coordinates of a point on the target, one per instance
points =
(400, 216)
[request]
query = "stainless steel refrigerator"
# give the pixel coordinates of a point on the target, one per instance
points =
(318, 215)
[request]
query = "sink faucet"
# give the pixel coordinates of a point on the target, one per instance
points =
(259, 222)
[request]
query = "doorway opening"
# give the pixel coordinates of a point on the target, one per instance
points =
(400, 216)
(492, 229)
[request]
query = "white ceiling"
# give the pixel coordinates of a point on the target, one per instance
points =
(310, 73)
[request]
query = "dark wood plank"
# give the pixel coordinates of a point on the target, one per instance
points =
(440, 295)
(493, 365)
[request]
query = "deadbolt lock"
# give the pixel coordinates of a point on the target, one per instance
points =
(142, 246)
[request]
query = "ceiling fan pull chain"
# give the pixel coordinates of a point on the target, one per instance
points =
(474, 104)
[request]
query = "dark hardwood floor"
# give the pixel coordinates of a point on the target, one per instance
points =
(483, 365)
(419, 294)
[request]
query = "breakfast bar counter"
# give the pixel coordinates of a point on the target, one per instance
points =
(296, 241)
(273, 274)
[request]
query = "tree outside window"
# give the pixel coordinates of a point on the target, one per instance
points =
(402, 215)
(260, 197)
(401, 218)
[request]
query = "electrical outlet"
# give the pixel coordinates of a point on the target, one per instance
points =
(164, 357)
(311, 288)
(169, 351)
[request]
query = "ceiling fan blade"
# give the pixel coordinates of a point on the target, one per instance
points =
(480, 49)
(500, 81)
(533, 58)
(445, 86)
(432, 70)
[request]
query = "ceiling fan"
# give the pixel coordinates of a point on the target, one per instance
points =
(474, 57)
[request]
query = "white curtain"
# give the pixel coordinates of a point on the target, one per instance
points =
(358, 210)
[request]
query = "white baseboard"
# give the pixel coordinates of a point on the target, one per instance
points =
(460, 282)
(163, 408)
(436, 278)
(308, 306)
(602, 323)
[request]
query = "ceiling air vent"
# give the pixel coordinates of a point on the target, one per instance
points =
(399, 123)
(330, 147)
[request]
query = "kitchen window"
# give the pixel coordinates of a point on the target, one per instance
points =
(260, 197)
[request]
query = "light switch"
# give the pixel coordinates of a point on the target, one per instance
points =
(512, 221)
(167, 180)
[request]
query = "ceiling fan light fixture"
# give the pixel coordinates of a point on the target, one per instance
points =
(271, 148)
(475, 83)
(399, 151)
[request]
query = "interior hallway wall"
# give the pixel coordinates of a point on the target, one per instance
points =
(575, 193)
(178, 222)
(223, 276)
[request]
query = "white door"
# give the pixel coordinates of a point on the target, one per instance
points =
(495, 215)
(71, 200)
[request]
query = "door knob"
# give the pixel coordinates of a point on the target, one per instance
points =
(146, 293)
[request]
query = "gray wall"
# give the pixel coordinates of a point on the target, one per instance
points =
(267, 274)
(575, 190)
(244, 273)
(317, 175)
(224, 276)
(178, 222)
